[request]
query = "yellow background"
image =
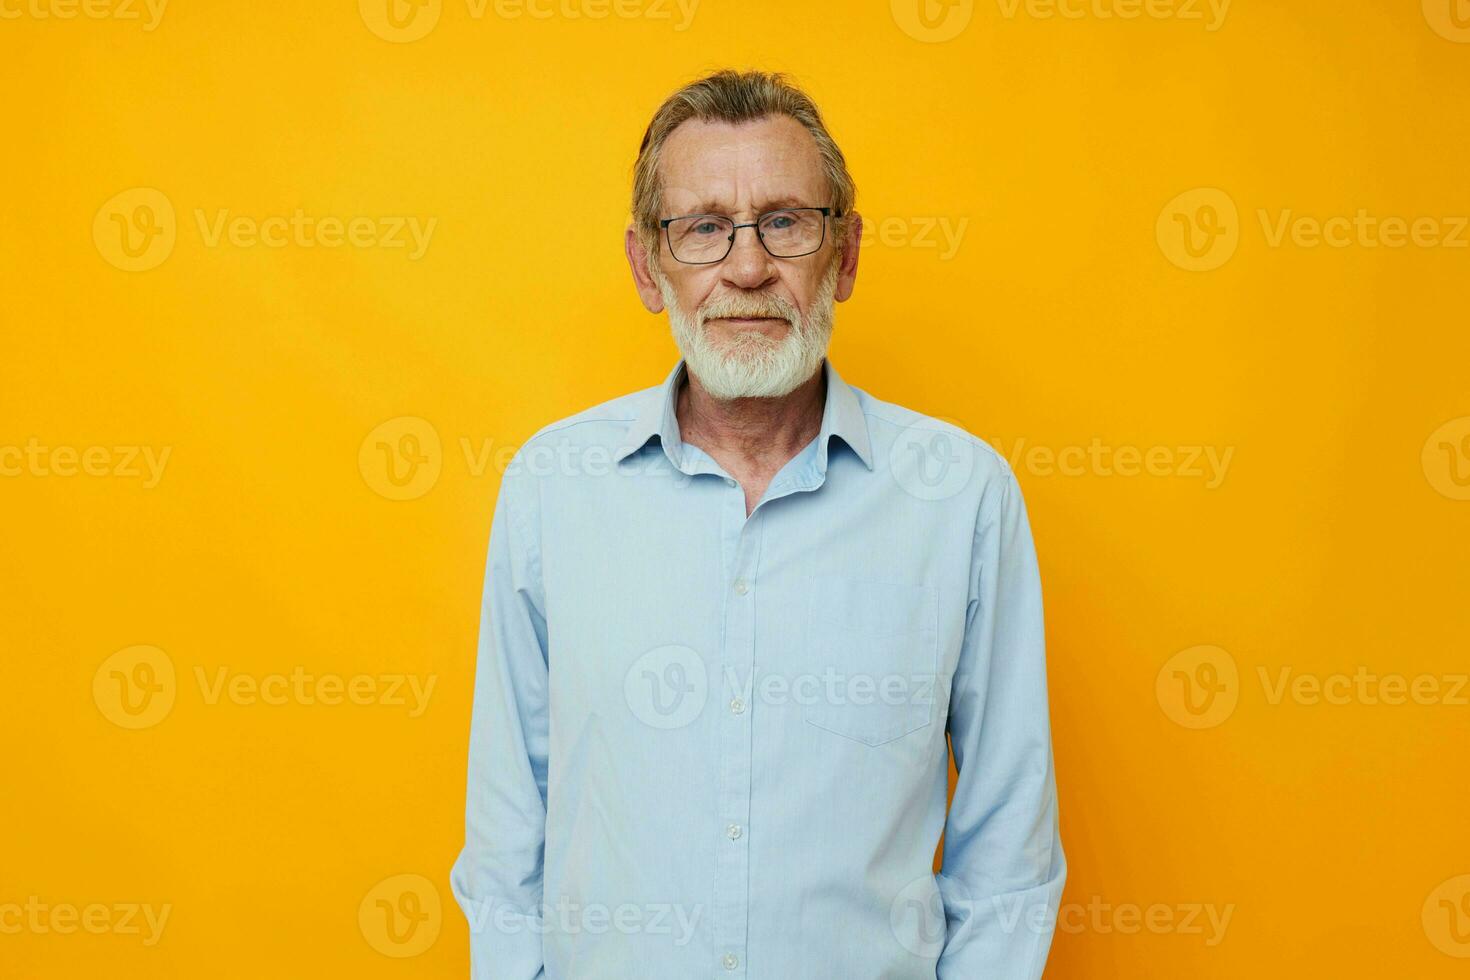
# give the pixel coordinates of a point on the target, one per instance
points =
(1335, 541)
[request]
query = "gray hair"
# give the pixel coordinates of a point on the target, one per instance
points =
(733, 97)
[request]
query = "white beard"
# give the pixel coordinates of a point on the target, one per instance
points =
(751, 365)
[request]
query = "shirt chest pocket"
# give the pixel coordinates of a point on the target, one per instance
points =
(874, 649)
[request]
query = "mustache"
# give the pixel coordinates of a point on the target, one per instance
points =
(750, 306)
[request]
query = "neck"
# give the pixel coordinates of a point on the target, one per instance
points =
(757, 431)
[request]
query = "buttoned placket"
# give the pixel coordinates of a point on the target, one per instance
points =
(740, 539)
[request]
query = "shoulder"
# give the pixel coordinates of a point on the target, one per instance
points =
(588, 436)
(933, 455)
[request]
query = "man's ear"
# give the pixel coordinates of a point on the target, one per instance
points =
(847, 271)
(653, 300)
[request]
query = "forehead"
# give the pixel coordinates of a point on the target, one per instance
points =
(738, 167)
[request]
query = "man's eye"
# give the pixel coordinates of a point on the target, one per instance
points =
(781, 222)
(706, 228)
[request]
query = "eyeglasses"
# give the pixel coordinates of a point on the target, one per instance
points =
(702, 239)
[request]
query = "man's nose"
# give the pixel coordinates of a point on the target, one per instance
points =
(749, 265)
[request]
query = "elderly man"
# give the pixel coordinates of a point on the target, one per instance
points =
(729, 621)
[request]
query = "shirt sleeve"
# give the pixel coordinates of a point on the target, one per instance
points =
(1003, 868)
(497, 878)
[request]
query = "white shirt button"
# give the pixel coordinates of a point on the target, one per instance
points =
(729, 481)
(737, 706)
(741, 586)
(730, 961)
(733, 831)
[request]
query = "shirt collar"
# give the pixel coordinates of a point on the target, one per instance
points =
(655, 415)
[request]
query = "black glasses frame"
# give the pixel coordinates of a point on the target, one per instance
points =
(826, 213)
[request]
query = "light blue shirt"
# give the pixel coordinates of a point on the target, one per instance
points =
(706, 745)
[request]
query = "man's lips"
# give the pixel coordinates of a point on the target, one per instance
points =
(749, 319)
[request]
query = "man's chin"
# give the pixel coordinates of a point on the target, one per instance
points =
(743, 343)
(745, 333)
